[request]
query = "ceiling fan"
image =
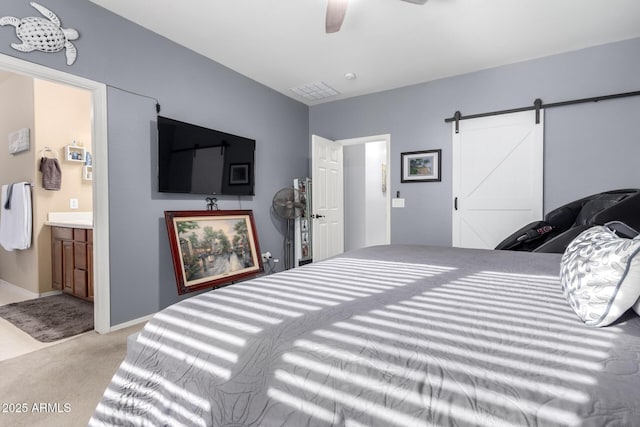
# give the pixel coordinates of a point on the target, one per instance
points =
(336, 10)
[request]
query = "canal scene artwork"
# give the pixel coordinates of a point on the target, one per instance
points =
(212, 248)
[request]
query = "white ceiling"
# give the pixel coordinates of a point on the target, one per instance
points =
(386, 43)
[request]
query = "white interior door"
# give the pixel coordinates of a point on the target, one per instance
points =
(497, 177)
(327, 198)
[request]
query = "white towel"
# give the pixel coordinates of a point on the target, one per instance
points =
(16, 216)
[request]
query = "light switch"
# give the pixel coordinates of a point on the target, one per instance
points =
(397, 203)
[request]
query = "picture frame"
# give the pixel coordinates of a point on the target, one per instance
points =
(212, 248)
(239, 174)
(421, 166)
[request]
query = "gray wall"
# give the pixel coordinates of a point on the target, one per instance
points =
(588, 147)
(190, 88)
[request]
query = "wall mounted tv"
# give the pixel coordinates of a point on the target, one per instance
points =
(194, 159)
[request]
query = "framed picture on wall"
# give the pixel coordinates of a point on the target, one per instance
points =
(212, 248)
(239, 174)
(420, 166)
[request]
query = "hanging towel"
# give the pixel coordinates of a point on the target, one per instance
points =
(51, 173)
(7, 202)
(16, 216)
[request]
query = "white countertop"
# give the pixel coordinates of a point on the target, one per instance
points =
(70, 219)
(69, 224)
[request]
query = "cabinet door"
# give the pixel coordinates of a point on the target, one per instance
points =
(80, 255)
(80, 283)
(67, 263)
(56, 264)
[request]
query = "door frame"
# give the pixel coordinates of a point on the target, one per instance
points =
(100, 184)
(387, 140)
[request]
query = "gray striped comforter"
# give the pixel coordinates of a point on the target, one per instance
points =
(384, 336)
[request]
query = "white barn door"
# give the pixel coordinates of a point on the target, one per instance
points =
(497, 177)
(327, 198)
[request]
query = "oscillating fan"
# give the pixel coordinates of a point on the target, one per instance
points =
(286, 204)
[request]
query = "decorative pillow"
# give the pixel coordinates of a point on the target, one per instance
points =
(636, 306)
(600, 275)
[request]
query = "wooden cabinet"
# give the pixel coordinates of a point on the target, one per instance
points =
(72, 261)
(67, 266)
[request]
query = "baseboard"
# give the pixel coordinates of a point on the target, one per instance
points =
(18, 289)
(50, 294)
(130, 323)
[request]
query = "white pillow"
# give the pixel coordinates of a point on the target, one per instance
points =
(600, 275)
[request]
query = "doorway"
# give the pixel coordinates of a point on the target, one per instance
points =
(355, 185)
(100, 189)
(365, 194)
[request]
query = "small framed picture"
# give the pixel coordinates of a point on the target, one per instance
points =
(239, 174)
(420, 166)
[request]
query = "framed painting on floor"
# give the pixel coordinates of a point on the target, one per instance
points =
(212, 248)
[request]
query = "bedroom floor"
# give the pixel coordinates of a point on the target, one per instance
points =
(13, 341)
(73, 373)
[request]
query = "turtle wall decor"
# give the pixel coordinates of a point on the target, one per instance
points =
(43, 34)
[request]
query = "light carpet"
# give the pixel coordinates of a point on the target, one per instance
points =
(61, 385)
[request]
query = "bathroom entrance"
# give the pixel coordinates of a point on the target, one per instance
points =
(57, 162)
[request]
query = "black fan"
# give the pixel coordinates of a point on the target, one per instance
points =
(287, 205)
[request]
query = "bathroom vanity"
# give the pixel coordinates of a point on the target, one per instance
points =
(72, 256)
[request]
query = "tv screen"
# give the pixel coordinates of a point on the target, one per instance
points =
(194, 159)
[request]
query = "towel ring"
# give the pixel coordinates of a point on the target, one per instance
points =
(46, 150)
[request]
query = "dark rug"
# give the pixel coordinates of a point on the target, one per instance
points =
(51, 318)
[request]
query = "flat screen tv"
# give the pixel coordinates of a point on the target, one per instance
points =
(194, 159)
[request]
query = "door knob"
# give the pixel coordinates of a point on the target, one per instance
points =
(314, 216)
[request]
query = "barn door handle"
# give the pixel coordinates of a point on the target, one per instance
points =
(455, 203)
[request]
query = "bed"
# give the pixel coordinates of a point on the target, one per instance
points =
(395, 335)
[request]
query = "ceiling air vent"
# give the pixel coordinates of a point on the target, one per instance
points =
(314, 91)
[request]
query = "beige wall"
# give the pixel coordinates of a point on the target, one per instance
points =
(62, 115)
(57, 115)
(16, 112)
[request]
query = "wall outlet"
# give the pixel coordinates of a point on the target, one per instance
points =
(266, 256)
(73, 203)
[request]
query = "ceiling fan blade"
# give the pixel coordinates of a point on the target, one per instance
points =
(416, 1)
(336, 10)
